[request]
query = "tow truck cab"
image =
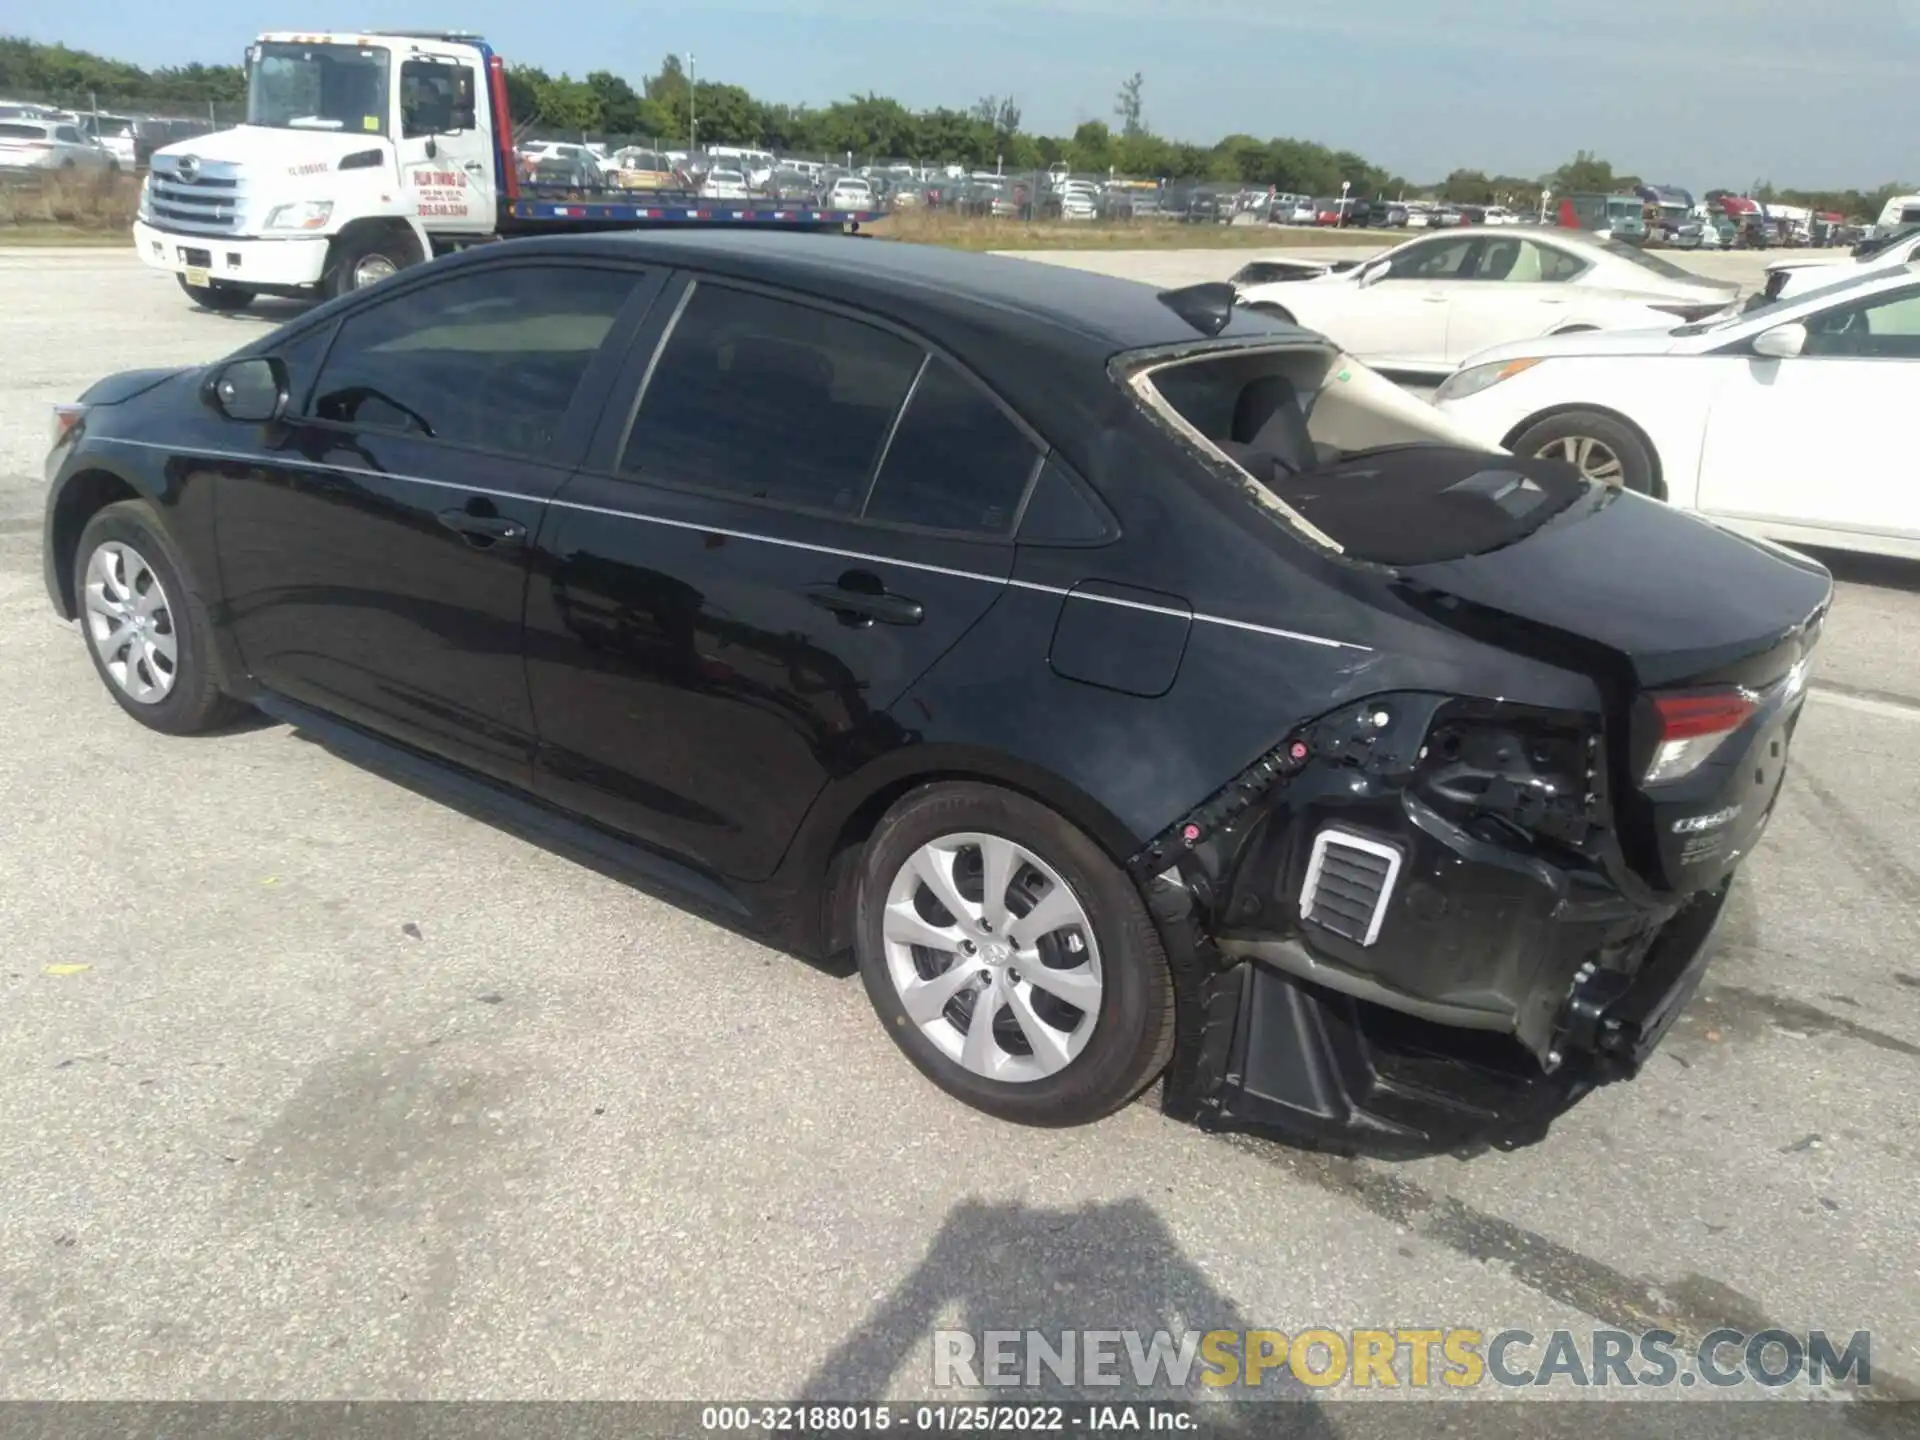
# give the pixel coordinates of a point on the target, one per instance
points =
(363, 153)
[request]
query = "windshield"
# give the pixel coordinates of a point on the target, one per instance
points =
(318, 87)
(110, 127)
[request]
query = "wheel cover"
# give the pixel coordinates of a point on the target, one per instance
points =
(372, 269)
(130, 623)
(1594, 459)
(993, 957)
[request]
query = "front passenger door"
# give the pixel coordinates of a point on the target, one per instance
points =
(805, 511)
(374, 547)
(1401, 318)
(1818, 441)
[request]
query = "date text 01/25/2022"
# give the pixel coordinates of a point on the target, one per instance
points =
(963, 1419)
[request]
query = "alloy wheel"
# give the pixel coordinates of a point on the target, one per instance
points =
(130, 623)
(993, 956)
(1592, 458)
(371, 269)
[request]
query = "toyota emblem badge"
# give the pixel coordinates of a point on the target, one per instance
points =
(189, 168)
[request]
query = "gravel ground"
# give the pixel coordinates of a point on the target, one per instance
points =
(315, 1087)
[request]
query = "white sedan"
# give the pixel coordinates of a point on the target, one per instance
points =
(1789, 421)
(1424, 306)
(1797, 277)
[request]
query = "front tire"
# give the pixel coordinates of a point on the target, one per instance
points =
(1600, 446)
(363, 260)
(221, 299)
(1010, 959)
(146, 629)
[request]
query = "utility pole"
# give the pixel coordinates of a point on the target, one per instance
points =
(693, 123)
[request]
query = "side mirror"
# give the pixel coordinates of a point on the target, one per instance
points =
(253, 390)
(1783, 342)
(1375, 272)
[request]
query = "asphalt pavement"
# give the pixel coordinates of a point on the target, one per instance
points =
(314, 1087)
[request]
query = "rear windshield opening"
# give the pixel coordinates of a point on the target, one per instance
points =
(1352, 459)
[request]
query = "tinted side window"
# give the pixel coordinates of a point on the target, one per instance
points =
(1436, 260)
(956, 462)
(490, 358)
(772, 400)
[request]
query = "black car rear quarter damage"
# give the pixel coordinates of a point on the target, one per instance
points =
(1407, 929)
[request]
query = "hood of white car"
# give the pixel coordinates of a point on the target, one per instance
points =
(270, 148)
(1583, 343)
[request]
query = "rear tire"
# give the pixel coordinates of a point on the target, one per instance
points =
(1601, 446)
(1035, 1057)
(221, 299)
(145, 627)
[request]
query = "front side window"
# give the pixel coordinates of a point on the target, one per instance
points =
(68, 135)
(318, 87)
(489, 359)
(1886, 327)
(436, 98)
(1434, 260)
(770, 400)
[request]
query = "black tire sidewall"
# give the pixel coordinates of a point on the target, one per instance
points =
(1133, 1030)
(340, 282)
(195, 700)
(1636, 462)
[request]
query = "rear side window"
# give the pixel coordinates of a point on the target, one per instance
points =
(490, 358)
(956, 461)
(770, 400)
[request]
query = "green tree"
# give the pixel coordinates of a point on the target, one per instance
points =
(1092, 147)
(1585, 174)
(1127, 107)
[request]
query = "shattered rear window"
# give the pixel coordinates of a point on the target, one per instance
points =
(1349, 458)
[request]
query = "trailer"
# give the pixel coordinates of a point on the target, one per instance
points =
(366, 152)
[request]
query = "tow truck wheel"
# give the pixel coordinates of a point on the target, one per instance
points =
(363, 260)
(1010, 958)
(222, 298)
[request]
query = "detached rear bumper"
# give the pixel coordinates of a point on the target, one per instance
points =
(1410, 929)
(1277, 1055)
(290, 265)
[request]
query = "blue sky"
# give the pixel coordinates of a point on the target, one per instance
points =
(1693, 92)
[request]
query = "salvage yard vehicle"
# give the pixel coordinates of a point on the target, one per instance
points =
(1133, 683)
(1788, 421)
(365, 153)
(1422, 307)
(1798, 277)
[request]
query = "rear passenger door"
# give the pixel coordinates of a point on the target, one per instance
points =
(791, 512)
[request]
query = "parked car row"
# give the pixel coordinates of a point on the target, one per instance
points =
(1558, 344)
(41, 137)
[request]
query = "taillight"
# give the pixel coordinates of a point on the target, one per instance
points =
(1692, 727)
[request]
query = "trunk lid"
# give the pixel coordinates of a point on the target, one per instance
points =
(1674, 617)
(1678, 599)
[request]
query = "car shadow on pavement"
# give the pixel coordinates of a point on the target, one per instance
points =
(459, 799)
(1009, 1266)
(1886, 571)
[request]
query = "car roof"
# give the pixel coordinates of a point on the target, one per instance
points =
(1041, 330)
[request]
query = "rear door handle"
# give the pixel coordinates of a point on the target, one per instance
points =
(483, 531)
(863, 605)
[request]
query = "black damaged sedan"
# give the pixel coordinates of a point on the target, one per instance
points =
(1132, 684)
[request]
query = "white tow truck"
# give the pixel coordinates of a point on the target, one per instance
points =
(366, 152)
